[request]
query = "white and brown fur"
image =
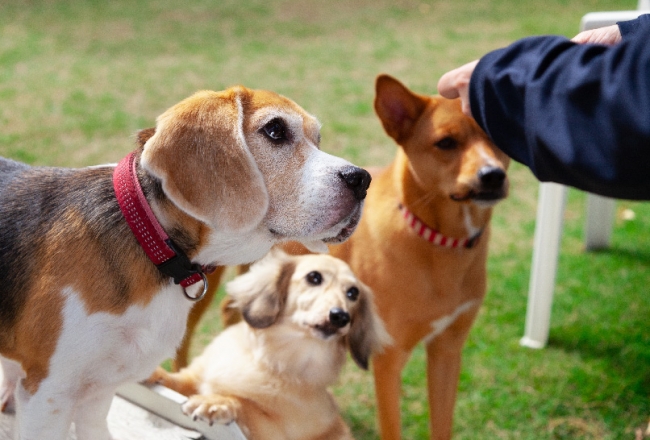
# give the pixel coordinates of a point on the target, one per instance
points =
(82, 309)
(270, 372)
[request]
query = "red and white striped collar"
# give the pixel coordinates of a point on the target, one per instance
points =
(433, 236)
(159, 247)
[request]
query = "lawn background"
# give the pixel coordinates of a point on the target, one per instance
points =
(78, 78)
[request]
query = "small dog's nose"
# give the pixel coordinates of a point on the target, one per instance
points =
(339, 317)
(357, 179)
(491, 177)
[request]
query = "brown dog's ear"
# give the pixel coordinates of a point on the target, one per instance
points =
(261, 293)
(199, 153)
(367, 332)
(397, 107)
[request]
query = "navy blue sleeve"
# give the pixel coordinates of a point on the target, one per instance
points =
(575, 114)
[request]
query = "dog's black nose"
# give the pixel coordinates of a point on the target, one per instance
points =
(339, 317)
(357, 179)
(491, 177)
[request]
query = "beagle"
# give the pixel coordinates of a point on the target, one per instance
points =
(270, 372)
(96, 264)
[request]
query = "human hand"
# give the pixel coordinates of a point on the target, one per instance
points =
(455, 84)
(608, 35)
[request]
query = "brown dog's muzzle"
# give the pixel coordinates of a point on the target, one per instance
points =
(492, 184)
(491, 178)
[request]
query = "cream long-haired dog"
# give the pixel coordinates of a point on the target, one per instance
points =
(270, 372)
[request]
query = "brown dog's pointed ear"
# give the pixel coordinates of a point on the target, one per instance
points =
(367, 334)
(261, 293)
(397, 107)
(199, 153)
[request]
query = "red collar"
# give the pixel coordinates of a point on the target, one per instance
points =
(433, 236)
(160, 249)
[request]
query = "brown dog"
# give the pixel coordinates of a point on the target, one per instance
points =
(422, 243)
(270, 372)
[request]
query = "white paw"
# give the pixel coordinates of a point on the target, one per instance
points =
(211, 409)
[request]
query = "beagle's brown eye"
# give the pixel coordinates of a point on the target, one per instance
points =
(275, 130)
(352, 293)
(447, 143)
(314, 278)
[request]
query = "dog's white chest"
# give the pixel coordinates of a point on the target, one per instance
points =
(104, 349)
(441, 324)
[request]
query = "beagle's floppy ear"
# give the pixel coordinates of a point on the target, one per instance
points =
(397, 107)
(143, 136)
(261, 293)
(199, 153)
(367, 334)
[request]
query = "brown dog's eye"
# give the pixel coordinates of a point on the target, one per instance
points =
(447, 143)
(275, 130)
(352, 293)
(314, 278)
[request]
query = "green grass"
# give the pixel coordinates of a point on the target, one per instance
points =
(78, 78)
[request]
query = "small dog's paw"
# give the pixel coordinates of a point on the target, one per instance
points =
(212, 408)
(158, 377)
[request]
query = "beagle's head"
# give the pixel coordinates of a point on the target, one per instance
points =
(248, 163)
(313, 296)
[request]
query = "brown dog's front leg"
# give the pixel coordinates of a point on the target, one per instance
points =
(443, 371)
(387, 368)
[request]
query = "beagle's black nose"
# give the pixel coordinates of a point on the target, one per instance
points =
(491, 178)
(357, 179)
(339, 317)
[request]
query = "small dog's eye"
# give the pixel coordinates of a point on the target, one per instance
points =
(447, 143)
(314, 278)
(352, 293)
(275, 130)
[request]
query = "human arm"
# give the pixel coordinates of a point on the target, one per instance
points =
(575, 114)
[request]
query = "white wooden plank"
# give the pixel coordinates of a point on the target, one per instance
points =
(167, 403)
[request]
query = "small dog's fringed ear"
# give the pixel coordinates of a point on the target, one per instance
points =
(261, 293)
(397, 107)
(367, 332)
(199, 153)
(230, 313)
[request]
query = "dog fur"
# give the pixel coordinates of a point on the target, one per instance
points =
(449, 174)
(82, 309)
(270, 372)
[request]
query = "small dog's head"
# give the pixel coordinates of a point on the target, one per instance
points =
(316, 295)
(447, 150)
(245, 160)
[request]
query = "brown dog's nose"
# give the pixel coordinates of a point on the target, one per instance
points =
(491, 177)
(357, 179)
(339, 317)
